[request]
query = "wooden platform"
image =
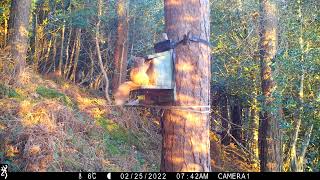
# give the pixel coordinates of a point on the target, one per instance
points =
(150, 96)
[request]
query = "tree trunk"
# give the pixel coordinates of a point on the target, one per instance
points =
(270, 136)
(225, 119)
(254, 126)
(63, 29)
(65, 69)
(71, 59)
(121, 46)
(236, 117)
(61, 49)
(54, 52)
(19, 38)
(295, 165)
(99, 53)
(12, 15)
(305, 144)
(77, 54)
(5, 38)
(185, 143)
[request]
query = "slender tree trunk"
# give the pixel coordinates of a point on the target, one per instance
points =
(63, 29)
(294, 162)
(99, 53)
(77, 54)
(236, 127)
(297, 125)
(49, 50)
(305, 144)
(90, 74)
(19, 37)
(5, 31)
(121, 46)
(65, 69)
(270, 135)
(225, 119)
(71, 59)
(61, 49)
(54, 53)
(254, 126)
(185, 143)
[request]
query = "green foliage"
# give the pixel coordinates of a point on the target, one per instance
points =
(236, 66)
(53, 94)
(117, 133)
(8, 92)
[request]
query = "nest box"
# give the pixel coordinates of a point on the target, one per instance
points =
(160, 89)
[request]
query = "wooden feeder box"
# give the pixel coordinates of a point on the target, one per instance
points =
(161, 88)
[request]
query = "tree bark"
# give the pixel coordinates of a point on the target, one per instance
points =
(61, 50)
(270, 135)
(121, 46)
(63, 29)
(236, 117)
(225, 119)
(254, 126)
(12, 15)
(305, 144)
(77, 54)
(65, 69)
(20, 12)
(185, 143)
(104, 72)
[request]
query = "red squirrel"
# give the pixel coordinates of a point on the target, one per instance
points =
(140, 75)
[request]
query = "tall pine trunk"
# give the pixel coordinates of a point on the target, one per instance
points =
(121, 47)
(20, 12)
(270, 137)
(185, 143)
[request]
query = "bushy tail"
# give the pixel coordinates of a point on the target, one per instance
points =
(122, 94)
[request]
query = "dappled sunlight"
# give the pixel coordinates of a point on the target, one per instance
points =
(35, 114)
(173, 2)
(271, 7)
(189, 18)
(270, 40)
(184, 145)
(184, 67)
(23, 31)
(192, 167)
(184, 99)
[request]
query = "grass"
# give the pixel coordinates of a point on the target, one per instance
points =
(117, 147)
(116, 137)
(8, 92)
(118, 133)
(121, 142)
(53, 94)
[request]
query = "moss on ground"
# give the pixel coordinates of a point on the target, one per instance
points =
(54, 94)
(8, 92)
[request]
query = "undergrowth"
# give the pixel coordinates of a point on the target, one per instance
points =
(8, 92)
(53, 94)
(46, 126)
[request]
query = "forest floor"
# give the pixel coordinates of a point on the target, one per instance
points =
(52, 125)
